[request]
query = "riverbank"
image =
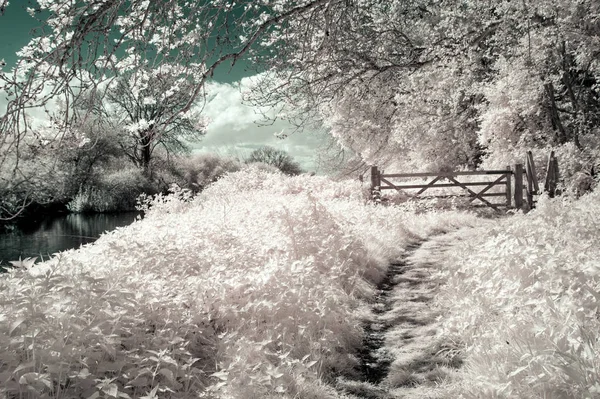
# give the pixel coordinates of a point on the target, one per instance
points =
(46, 234)
(254, 289)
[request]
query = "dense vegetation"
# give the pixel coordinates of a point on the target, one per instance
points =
(96, 175)
(255, 284)
(253, 289)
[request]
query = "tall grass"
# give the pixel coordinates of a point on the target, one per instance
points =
(253, 289)
(523, 296)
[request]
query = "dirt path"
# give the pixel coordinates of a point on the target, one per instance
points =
(402, 357)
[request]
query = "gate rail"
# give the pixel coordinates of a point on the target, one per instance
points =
(517, 192)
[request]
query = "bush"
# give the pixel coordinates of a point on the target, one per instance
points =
(115, 192)
(276, 158)
(197, 171)
(522, 297)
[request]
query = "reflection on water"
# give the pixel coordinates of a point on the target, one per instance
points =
(60, 233)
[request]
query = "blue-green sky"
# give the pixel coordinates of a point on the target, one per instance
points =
(15, 27)
(232, 129)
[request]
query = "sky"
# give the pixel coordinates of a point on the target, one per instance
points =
(232, 129)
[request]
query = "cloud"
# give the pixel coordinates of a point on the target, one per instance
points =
(234, 127)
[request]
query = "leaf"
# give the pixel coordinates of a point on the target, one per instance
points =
(14, 325)
(112, 390)
(517, 371)
(138, 382)
(151, 394)
(176, 340)
(168, 374)
(24, 263)
(28, 378)
(222, 375)
(24, 366)
(83, 374)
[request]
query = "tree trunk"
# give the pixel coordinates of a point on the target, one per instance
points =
(146, 150)
(561, 135)
(568, 82)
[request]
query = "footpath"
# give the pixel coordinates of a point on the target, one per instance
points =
(401, 357)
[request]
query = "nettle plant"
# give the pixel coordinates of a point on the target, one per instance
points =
(522, 298)
(252, 289)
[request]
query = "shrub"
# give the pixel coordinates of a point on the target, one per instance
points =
(117, 191)
(199, 170)
(522, 296)
(276, 158)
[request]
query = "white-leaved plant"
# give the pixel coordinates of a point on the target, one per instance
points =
(254, 288)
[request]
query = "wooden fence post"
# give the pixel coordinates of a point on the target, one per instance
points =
(551, 175)
(375, 183)
(532, 183)
(519, 186)
(556, 174)
(508, 189)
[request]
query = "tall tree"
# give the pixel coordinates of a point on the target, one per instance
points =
(438, 84)
(432, 80)
(86, 44)
(145, 106)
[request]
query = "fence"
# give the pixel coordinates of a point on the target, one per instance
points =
(518, 184)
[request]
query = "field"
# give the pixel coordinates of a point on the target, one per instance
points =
(259, 288)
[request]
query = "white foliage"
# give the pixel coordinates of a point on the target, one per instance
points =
(250, 290)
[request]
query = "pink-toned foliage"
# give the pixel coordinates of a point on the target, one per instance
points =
(252, 289)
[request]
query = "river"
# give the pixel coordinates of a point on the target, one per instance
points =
(57, 233)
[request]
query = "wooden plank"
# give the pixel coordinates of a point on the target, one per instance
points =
(392, 186)
(446, 174)
(549, 183)
(430, 184)
(529, 190)
(472, 192)
(519, 186)
(496, 182)
(375, 184)
(556, 173)
(552, 176)
(462, 195)
(374, 178)
(442, 185)
(531, 163)
(508, 191)
(485, 206)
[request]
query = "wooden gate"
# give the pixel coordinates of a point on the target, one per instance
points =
(477, 190)
(508, 183)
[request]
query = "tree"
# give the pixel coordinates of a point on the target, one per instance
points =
(437, 84)
(277, 158)
(358, 69)
(84, 45)
(145, 106)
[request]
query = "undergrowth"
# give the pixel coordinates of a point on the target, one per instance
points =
(252, 289)
(523, 295)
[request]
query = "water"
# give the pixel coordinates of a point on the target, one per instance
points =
(58, 233)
